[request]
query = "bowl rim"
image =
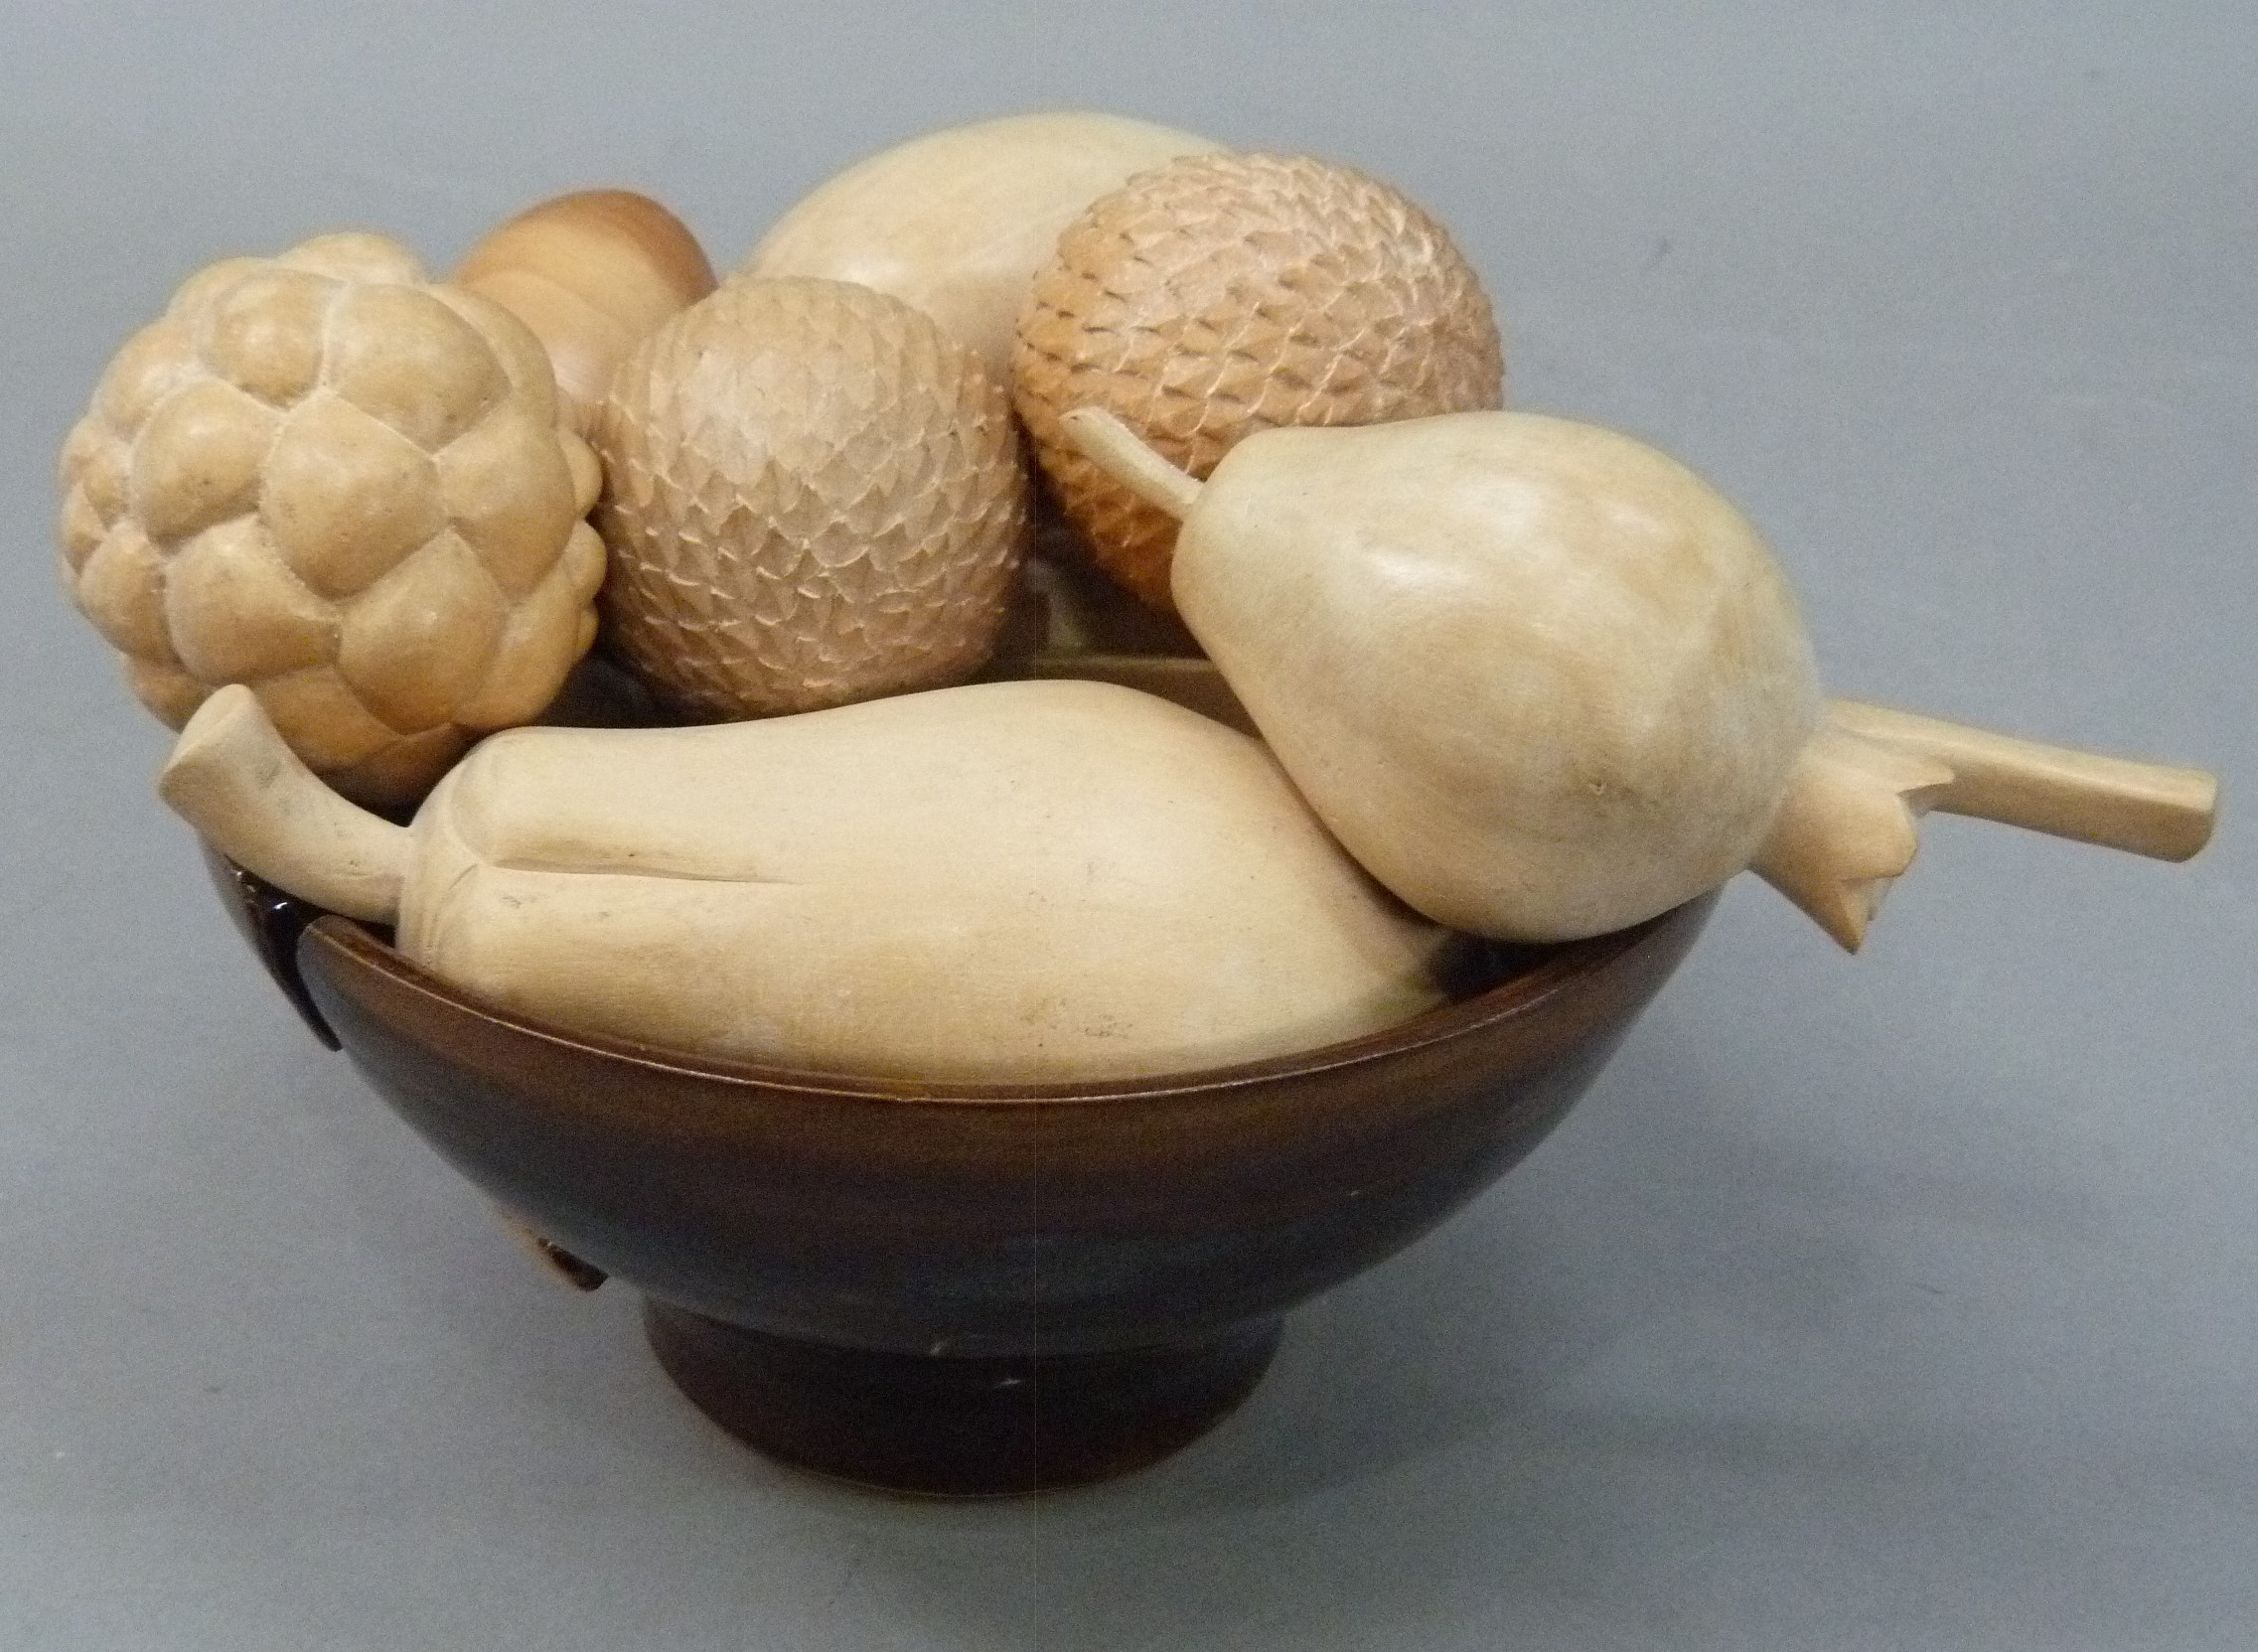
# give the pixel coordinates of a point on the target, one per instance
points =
(1556, 970)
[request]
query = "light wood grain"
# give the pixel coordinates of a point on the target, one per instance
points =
(1846, 828)
(592, 273)
(1543, 682)
(1539, 678)
(816, 497)
(2150, 809)
(1847, 825)
(237, 782)
(957, 223)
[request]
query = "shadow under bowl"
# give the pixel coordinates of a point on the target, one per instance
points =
(957, 1288)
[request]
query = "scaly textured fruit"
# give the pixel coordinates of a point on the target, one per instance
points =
(1224, 294)
(326, 477)
(814, 498)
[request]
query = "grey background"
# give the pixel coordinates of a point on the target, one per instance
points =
(1900, 1301)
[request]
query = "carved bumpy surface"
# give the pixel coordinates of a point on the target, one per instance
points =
(814, 498)
(1225, 294)
(325, 478)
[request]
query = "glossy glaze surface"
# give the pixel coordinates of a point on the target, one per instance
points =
(952, 1223)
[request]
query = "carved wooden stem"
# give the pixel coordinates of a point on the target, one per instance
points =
(1846, 826)
(232, 777)
(2146, 809)
(1117, 450)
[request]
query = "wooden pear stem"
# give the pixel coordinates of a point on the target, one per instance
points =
(1123, 455)
(1845, 824)
(232, 777)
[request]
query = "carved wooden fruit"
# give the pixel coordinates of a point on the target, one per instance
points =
(1224, 294)
(1013, 881)
(592, 273)
(325, 476)
(814, 498)
(957, 223)
(1544, 683)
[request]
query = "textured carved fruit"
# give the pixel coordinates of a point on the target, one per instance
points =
(1224, 294)
(323, 477)
(814, 498)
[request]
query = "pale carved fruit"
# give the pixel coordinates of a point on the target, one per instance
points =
(326, 477)
(592, 273)
(1003, 882)
(957, 223)
(1545, 681)
(1223, 294)
(1541, 679)
(814, 497)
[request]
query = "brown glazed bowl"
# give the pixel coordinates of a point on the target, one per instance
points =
(942, 1287)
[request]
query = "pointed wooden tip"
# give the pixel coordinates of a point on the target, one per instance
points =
(1847, 828)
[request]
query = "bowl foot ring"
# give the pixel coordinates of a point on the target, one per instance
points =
(956, 1427)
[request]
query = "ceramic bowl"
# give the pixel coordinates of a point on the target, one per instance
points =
(955, 1288)
(965, 1288)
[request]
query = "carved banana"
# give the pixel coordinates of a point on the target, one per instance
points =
(1008, 881)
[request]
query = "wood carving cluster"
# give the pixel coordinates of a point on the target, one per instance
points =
(814, 498)
(1224, 294)
(326, 477)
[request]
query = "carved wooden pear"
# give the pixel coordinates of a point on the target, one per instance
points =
(1008, 881)
(1543, 682)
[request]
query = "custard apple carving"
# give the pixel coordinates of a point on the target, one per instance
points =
(327, 477)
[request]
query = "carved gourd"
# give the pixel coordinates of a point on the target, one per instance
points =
(1012, 881)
